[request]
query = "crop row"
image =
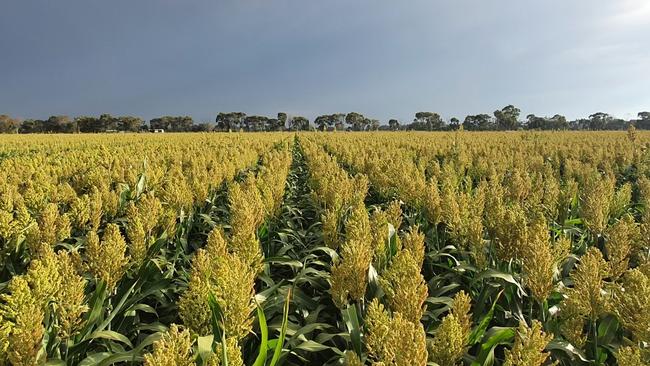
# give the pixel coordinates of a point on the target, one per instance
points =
(328, 248)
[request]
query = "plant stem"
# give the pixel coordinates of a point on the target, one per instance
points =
(595, 335)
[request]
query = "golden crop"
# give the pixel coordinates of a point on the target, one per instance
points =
(379, 248)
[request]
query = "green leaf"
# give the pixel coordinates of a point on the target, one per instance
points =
(204, 346)
(285, 261)
(94, 358)
(224, 350)
(117, 308)
(299, 335)
(96, 304)
(120, 357)
(444, 300)
(573, 222)
(607, 329)
(133, 356)
(351, 318)
(495, 336)
(373, 282)
(139, 187)
(271, 344)
(109, 334)
(601, 355)
(311, 346)
(479, 331)
(283, 331)
(218, 327)
(125, 194)
(566, 347)
(261, 356)
(493, 273)
(391, 248)
(217, 318)
(440, 291)
(142, 307)
(55, 363)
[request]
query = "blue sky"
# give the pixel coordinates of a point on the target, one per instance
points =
(385, 59)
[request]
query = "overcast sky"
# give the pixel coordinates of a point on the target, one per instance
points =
(385, 59)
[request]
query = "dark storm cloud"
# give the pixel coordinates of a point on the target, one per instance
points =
(382, 58)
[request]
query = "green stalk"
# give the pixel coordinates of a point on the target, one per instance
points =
(595, 335)
(283, 331)
(261, 356)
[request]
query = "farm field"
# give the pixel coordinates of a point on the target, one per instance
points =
(326, 248)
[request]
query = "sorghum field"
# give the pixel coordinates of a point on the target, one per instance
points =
(459, 248)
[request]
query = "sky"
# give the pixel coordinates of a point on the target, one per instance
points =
(382, 58)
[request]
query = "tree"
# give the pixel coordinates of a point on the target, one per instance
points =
(202, 127)
(338, 120)
(181, 123)
(172, 123)
(558, 122)
(454, 124)
(329, 120)
(255, 123)
(393, 124)
(644, 121)
(230, 121)
(598, 121)
(478, 122)
(273, 124)
(617, 124)
(356, 120)
(535, 123)
(8, 124)
(644, 116)
(89, 124)
(108, 122)
(282, 119)
(373, 124)
(299, 123)
(160, 123)
(92, 124)
(507, 118)
(59, 124)
(128, 123)
(31, 126)
(431, 121)
(321, 122)
(268, 124)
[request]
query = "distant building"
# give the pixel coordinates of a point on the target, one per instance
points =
(158, 130)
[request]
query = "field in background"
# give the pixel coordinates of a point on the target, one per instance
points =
(474, 248)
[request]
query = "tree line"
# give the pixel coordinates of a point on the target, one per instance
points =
(507, 118)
